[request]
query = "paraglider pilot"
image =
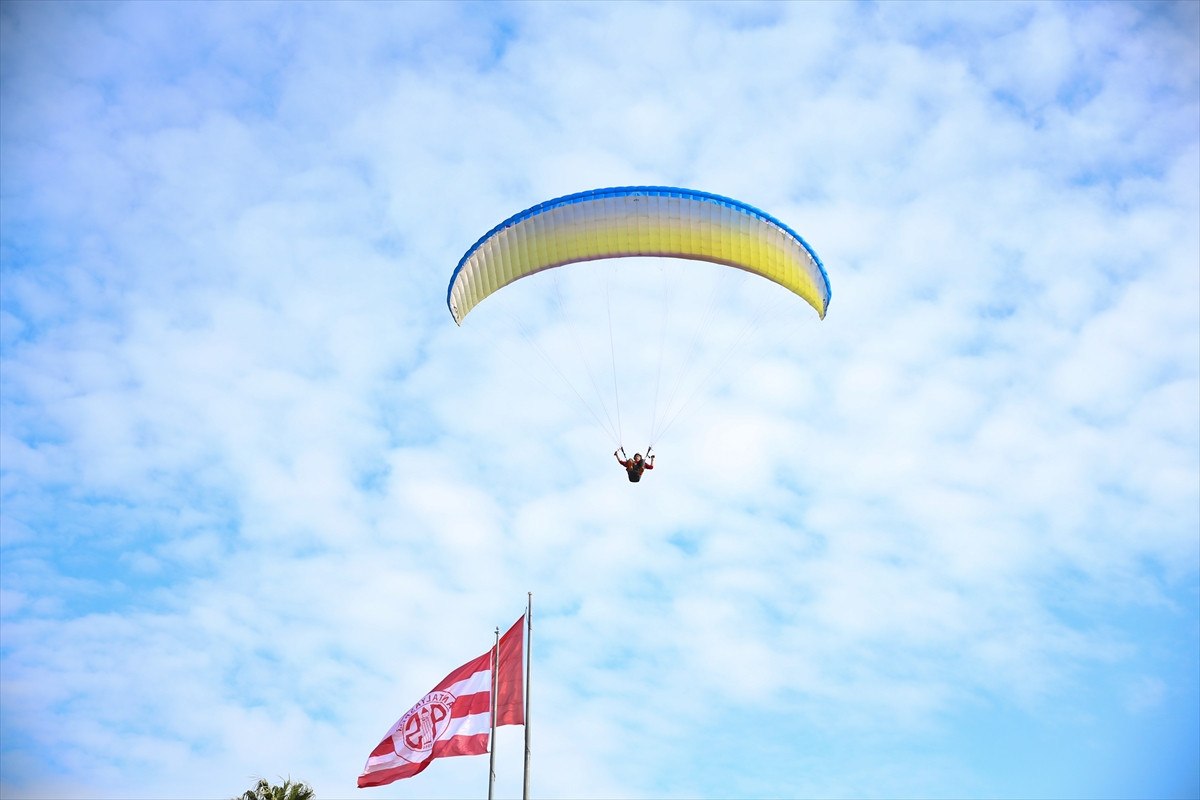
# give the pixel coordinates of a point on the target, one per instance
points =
(635, 466)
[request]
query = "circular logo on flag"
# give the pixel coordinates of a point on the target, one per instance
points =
(424, 724)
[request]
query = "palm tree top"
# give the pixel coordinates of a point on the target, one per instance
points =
(288, 790)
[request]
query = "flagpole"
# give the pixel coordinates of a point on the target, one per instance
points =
(528, 660)
(492, 740)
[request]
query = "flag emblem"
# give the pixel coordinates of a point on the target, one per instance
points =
(423, 725)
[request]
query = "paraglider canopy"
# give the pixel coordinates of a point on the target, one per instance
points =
(658, 224)
(637, 221)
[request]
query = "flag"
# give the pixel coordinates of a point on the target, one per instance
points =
(510, 691)
(454, 718)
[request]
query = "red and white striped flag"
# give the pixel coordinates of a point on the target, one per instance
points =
(454, 719)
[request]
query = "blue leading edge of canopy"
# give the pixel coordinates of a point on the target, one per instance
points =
(648, 191)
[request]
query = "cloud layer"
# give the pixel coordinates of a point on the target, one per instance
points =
(260, 493)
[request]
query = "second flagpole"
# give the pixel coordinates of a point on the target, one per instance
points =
(528, 660)
(492, 738)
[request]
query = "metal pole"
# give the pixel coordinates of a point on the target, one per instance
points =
(492, 739)
(528, 660)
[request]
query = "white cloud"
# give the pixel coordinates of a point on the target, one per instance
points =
(260, 492)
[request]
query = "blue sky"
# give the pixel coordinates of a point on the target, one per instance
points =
(259, 493)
